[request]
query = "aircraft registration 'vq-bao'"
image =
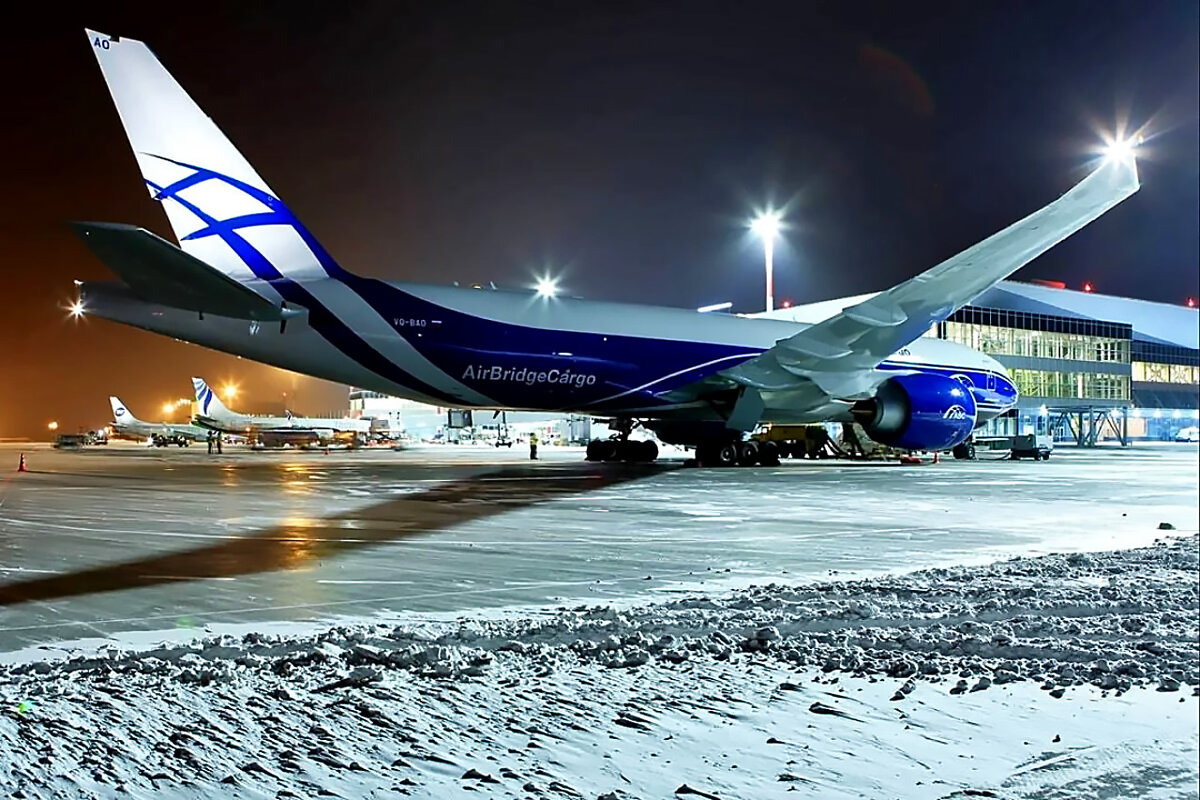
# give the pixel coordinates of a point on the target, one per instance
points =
(247, 278)
(213, 414)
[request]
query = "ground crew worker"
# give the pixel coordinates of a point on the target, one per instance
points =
(210, 442)
(533, 447)
(218, 444)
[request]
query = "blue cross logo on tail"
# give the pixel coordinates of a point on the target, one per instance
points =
(204, 395)
(227, 229)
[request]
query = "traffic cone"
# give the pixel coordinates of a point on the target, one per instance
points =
(21, 466)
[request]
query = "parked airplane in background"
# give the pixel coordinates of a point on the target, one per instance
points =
(213, 414)
(161, 434)
(248, 278)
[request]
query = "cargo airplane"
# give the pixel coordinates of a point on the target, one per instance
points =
(211, 413)
(161, 434)
(248, 278)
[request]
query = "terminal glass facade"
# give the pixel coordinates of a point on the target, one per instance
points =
(1071, 385)
(1050, 358)
(1180, 374)
(999, 341)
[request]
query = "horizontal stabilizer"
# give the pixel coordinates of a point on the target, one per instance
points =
(159, 272)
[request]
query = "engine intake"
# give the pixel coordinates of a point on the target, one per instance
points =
(921, 411)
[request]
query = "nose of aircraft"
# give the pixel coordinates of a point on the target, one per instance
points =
(1005, 391)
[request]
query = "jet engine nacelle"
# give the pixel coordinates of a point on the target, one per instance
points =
(921, 411)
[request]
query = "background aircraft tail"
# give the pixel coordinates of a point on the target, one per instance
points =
(210, 405)
(120, 413)
(221, 211)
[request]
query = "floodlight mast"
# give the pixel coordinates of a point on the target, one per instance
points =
(766, 227)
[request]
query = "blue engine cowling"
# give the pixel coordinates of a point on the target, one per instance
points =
(921, 411)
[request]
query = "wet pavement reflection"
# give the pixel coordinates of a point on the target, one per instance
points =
(299, 541)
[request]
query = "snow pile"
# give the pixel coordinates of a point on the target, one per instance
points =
(533, 705)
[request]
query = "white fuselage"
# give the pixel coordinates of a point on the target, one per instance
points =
(493, 349)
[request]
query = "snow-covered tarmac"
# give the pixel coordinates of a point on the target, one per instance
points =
(572, 630)
(111, 541)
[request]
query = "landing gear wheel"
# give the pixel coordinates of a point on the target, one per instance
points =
(606, 450)
(768, 454)
(727, 455)
(747, 454)
(647, 451)
(966, 451)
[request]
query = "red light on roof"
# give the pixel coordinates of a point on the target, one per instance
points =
(786, 304)
(1191, 302)
(1087, 286)
(1049, 284)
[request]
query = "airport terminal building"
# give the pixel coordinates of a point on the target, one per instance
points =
(1097, 366)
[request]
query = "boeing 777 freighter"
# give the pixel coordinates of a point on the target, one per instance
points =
(248, 278)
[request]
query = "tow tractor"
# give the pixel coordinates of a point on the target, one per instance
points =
(159, 440)
(1037, 444)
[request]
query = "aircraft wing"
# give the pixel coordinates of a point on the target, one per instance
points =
(160, 272)
(840, 353)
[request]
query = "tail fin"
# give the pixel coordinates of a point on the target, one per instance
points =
(210, 404)
(120, 413)
(221, 211)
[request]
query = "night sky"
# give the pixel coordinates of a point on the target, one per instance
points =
(621, 145)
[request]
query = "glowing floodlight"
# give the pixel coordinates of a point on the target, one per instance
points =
(547, 287)
(76, 309)
(1120, 149)
(766, 225)
(229, 391)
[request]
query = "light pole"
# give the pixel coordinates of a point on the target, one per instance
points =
(766, 226)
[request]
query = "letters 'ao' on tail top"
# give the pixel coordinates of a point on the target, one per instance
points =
(220, 209)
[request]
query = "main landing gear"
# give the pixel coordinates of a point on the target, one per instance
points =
(619, 447)
(734, 453)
